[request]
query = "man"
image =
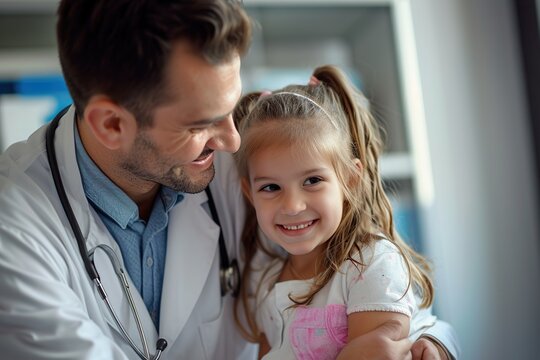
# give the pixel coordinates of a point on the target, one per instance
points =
(154, 84)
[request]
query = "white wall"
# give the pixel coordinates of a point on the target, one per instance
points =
(482, 228)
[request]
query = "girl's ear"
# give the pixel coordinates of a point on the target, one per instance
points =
(246, 189)
(358, 164)
(355, 176)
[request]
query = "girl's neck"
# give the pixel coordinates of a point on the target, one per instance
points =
(302, 267)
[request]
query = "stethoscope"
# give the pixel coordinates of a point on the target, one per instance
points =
(229, 273)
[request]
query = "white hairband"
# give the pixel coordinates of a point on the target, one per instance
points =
(306, 98)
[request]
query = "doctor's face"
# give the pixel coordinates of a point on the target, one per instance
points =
(178, 149)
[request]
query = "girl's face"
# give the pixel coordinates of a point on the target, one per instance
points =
(297, 197)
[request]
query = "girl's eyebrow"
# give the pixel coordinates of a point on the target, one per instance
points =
(262, 178)
(305, 173)
(316, 170)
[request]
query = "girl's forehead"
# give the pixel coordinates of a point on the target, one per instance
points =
(297, 152)
(294, 136)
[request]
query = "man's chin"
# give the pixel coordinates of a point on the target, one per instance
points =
(195, 184)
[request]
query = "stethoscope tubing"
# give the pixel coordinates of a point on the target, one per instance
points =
(59, 185)
(125, 288)
(86, 257)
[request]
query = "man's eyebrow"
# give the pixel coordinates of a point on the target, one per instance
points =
(209, 121)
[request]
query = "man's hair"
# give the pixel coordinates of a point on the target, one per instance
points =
(120, 48)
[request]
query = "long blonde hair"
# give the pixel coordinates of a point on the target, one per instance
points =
(330, 117)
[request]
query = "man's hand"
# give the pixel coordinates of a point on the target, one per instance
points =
(383, 343)
(425, 349)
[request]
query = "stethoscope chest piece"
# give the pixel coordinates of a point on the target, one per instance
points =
(230, 279)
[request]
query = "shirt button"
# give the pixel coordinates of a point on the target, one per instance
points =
(149, 261)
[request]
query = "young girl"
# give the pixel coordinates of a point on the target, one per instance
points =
(309, 167)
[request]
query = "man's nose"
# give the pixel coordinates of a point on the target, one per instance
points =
(226, 137)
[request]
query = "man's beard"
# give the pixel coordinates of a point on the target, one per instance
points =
(145, 155)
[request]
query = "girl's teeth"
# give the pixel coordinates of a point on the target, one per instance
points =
(297, 227)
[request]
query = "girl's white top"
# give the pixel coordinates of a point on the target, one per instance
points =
(319, 331)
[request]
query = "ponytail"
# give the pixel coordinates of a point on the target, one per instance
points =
(366, 145)
(338, 82)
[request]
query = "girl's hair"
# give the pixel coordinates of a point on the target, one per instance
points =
(329, 117)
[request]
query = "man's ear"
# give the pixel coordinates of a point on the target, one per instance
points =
(111, 124)
(246, 189)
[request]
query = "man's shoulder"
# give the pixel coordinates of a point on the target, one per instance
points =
(23, 154)
(25, 184)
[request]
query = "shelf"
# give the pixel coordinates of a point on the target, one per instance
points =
(356, 35)
(319, 2)
(28, 6)
(14, 63)
(36, 6)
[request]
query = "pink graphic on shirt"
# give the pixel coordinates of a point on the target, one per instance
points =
(319, 333)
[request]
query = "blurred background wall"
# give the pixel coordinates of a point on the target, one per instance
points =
(449, 82)
(483, 223)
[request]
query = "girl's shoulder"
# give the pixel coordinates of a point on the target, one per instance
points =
(380, 259)
(378, 280)
(377, 249)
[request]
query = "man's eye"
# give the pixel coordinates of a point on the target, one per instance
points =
(312, 180)
(269, 188)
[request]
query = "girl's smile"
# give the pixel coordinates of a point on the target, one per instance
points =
(297, 230)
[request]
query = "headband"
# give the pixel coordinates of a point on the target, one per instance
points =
(267, 93)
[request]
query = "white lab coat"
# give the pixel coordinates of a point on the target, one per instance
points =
(49, 309)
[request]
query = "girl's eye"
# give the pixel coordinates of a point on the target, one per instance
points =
(269, 188)
(312, 180)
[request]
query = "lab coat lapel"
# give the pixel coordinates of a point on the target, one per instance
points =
(191, 248)
(69, 170)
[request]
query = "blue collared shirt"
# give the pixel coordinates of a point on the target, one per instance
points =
(143, 244)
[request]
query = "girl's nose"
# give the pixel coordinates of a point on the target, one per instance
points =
(293, 204)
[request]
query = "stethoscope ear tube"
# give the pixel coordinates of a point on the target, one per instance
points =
(55, 172)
